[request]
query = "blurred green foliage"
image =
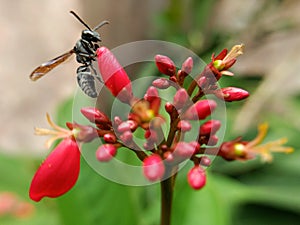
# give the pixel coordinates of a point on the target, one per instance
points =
(248, 193)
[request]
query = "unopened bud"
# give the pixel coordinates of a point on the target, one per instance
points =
(153, 167)
(210, 127)
(230, 94)
(212, 141)
(196, 177)
(165, 65)
(161, 83)
(180, 98)
(205, 161)
(200, 110)
(106, 152)
(151, 94)
(184, 125)
(110, 138)
(94, 115)
(184, 149)
(126, 137)
(187, 66)
(169, 107)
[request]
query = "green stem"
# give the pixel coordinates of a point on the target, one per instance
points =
(167, 189)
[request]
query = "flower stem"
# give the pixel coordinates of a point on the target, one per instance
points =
(167, 189)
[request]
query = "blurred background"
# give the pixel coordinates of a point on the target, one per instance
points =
(33, 32)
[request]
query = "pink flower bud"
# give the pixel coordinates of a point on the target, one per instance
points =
(106, 152)
(200, 110)
(117, 120)
(187, 66)
(114, 76)
(169, 157)
(153, 167)
(128, 125)
(202, 82)
(184, 125)
(205, 161)
(184, 149)
(161, 83)
(165, 65)
(213, 140)
(58, 173)
(148, 145)
(196, 177)
(126, 137)
(230, 94)
(210, 127)
(180, 98)
(151, 94)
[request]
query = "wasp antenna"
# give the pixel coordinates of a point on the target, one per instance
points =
(101, 24)
(80, 20)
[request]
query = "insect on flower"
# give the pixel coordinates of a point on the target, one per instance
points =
(85, 50)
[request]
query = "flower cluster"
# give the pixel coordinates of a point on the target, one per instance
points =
(162, 152)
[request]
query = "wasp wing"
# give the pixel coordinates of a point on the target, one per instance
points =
(48, 66)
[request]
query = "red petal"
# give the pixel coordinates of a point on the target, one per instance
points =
(114, 76)
(200, 110)
(58, 173)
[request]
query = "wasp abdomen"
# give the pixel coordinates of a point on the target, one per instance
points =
(86, 81)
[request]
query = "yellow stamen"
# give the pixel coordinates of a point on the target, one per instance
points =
(266, 149)
(262, 131)
(236, 51)
(57, 132)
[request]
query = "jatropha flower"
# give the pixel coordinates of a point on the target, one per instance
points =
(162, 151)
(244, 150)
(59, 172)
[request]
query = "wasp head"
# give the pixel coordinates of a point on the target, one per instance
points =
(90, 36)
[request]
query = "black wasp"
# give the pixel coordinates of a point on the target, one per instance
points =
(85, 50)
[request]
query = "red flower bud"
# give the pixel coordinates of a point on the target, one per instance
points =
(58, 173)
(165, 65)
(94, 115)
(196, 177)
(114, 76)
(126, 137)
(110, 138)
(169, 107)
(210, 127)
(106, 152)
(200, 110)
(230, 94)
(153, 168)
(180, 98)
